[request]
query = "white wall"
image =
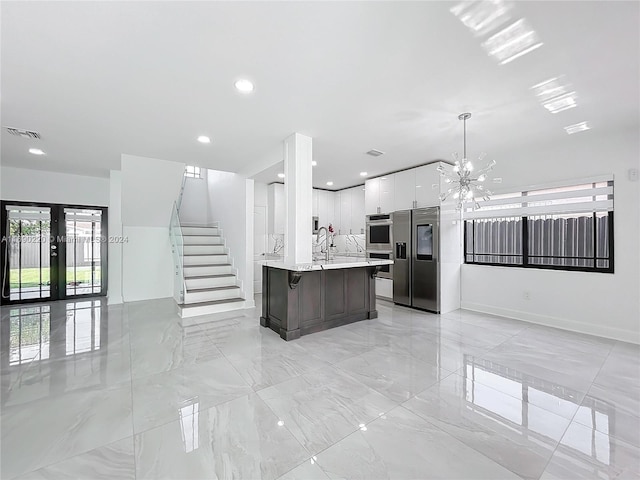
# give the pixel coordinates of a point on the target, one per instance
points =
(231, 200)
(260, 194)
(26, 185)
(260, 240)
(149, 188)
(596, 303)
(114, 292)
(147, 264)
(195, 201)
(49, 187)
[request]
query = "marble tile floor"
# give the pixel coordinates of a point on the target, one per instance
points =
(132, 391)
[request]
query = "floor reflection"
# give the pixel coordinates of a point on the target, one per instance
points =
(597, 416)
(189, 415)
(51, 348)
(29, 334)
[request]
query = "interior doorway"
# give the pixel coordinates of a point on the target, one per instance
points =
(259, 245)
(52, 251)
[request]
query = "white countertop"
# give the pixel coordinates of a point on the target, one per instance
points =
(344, 262)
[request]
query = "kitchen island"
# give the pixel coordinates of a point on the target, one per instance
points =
(298, 299)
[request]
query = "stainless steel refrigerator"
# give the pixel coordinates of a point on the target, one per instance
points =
(416, 268)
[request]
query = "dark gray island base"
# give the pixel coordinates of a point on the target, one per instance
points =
(296, 303)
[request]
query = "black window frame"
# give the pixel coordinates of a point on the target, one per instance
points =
(525, 250)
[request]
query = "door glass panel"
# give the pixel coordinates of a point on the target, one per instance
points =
(424, 242)
(28, 252)
(84, 269)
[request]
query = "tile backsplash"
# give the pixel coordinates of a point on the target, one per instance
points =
(342, 245)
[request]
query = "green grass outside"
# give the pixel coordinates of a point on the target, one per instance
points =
(31, 276)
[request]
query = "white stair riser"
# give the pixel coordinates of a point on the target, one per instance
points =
(201, 271)
(208, 309)
(202, 239)
(197, 297)
(203, 249)
(200, 231)
(205, 259)
(210, 282)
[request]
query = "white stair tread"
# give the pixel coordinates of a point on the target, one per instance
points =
(211, 289)
(212, 302)
(201, 277)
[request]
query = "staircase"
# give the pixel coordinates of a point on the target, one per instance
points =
(210, 281)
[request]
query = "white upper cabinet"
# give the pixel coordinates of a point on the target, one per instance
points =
(335, 219)
(314, 202)
(323, 208)
(344, 225)
(427, 185)
(412, 188)
(378, 195)
(387, 194)
(405, 190)
(276, 207)
(371, 196)
(357, 209)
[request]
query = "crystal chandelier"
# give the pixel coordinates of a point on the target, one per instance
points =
(466, 186)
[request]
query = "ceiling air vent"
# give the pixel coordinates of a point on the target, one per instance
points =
(18, 132)
(375, 153)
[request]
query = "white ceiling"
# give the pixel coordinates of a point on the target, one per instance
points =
(98, 79)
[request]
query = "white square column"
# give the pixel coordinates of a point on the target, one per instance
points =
(298, 199)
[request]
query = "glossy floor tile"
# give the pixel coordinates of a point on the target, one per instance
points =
(133, 391)
(238, 439)
(400, 444)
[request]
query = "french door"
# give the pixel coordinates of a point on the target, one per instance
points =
(52, 251)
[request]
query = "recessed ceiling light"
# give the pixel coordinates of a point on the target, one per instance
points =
(204, 139)
(314, 163)
(330, 183)
(36, 151)
(363, 174)
(578, 127)
(375, 153)
(281, 175)
(245, 86)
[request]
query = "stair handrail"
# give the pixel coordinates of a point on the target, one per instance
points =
(177, 247)
(179, 201)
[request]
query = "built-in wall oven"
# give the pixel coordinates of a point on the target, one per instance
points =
(386, 271)
(379, 233)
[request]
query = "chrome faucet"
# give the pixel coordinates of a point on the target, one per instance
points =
(326, 241)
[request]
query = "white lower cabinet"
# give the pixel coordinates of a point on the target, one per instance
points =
(384, 288)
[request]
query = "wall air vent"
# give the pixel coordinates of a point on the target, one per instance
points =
(375, 153)
(18, 132)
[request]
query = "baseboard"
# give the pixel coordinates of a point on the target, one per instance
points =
(114, 299)
(556, 322)
(249, 304)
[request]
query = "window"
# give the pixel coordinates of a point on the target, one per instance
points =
(563, 228)
(192, 172)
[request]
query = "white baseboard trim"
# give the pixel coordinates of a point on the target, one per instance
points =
(248, 304)
(114, 299)
(556, 322)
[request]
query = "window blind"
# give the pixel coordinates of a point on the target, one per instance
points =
(583, 196)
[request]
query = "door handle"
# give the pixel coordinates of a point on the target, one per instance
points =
(53, 247)
(54, 254)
